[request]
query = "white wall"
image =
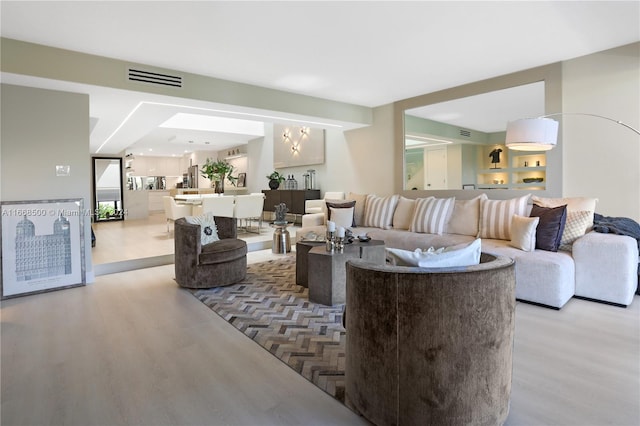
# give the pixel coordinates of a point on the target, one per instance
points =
(601, 158)
(42, 129)
(358, 160)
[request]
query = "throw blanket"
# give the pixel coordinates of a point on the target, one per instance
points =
(618, 226)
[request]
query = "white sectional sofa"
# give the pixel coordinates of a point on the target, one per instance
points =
(602, 267)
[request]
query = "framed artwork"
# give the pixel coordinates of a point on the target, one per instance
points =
(42, 246)
(242, 180)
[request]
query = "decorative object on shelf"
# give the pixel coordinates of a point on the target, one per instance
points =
(495, 157)
(242, 180)
(217, 171)
(541, 134)
(281, 214)
(531, 180)
(275, 179)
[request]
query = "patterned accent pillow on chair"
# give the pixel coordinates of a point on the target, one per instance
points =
(208, 229)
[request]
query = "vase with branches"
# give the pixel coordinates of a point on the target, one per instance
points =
(217, 171)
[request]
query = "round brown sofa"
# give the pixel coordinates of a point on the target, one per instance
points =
(430, 346)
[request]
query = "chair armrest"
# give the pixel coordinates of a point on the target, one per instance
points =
(313, 206)
(313, 219)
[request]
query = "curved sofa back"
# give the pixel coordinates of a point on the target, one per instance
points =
(430, 346)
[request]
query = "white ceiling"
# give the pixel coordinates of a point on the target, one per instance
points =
(365, 53)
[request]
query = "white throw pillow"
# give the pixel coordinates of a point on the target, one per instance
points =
(523, 232)
(495, 216)
(454, 256)
(208, 228)
(431, 214)
(342, 216)
(465, 216)
(378, 211)
(404, 213)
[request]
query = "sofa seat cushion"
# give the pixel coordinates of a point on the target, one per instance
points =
(543, 277)
(222, 251)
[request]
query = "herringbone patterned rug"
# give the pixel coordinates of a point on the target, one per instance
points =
(276, 313)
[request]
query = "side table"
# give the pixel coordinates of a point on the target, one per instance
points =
(302, 260)
(281, 238)
(327, 271)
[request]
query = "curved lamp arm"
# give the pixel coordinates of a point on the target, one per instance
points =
(541, 134)
(591, 115)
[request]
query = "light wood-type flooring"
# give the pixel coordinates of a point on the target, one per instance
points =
(135, 349)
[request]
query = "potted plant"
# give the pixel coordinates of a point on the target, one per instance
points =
(217, 171)
(275, 179)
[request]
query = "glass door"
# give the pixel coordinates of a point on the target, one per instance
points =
(107, 189)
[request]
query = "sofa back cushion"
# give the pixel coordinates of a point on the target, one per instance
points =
(358, 213)
(496, 215)
(403, 215)
(465, 216)
(378, 211)
(431, 215)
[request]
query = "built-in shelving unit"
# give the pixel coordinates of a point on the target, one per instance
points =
(514, 170)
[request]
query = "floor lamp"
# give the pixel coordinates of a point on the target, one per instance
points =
(541, 134)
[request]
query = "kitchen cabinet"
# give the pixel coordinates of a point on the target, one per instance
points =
(156, 166)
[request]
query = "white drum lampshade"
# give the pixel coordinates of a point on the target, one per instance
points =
(532, 134)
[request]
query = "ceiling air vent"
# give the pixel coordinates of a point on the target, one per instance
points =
(465, 133)
(154, 78)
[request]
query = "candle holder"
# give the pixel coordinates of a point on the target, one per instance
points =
(339, 244)
(331, 244)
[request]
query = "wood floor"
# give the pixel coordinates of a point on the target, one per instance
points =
(135, 349)
(124, 240)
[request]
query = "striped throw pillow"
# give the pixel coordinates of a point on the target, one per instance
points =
(496, 215)
(431, 215)
(378, 211)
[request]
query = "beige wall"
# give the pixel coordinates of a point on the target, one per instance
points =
(602, 158)
(42, 129)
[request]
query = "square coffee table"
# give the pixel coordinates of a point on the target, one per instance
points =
(327, 271)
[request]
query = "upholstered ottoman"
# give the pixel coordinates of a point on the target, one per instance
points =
(430, 346)
(220, 263)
